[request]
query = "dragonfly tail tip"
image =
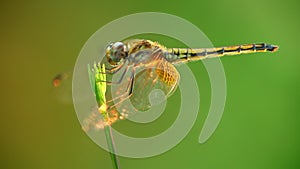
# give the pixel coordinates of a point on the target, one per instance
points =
(274, 48)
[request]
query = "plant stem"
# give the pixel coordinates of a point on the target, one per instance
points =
(111, 146)
(97, 80)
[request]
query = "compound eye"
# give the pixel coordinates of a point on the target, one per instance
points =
(116, 52)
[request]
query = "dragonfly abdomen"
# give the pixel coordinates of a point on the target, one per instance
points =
(187, 54)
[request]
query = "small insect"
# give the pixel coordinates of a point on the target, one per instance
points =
(59, 79)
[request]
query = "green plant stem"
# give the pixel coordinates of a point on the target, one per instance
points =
(99, 86)
(111, 146)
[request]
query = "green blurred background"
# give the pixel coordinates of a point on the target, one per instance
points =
(259, 128)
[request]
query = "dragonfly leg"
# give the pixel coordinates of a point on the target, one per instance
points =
(124, 96)
(117, 82)
(113, 70)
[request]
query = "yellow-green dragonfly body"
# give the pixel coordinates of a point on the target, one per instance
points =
(180, 55)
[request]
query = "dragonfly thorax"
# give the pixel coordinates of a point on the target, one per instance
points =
(115, 52)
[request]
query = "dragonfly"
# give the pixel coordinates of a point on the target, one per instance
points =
(143, 65)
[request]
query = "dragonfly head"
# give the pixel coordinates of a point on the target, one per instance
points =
(115, 52)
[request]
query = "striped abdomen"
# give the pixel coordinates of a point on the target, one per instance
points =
(187, 54)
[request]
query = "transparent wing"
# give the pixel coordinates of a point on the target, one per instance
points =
(153, 75)
(151, 81)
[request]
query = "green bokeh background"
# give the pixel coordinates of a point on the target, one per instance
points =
(260, 125)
